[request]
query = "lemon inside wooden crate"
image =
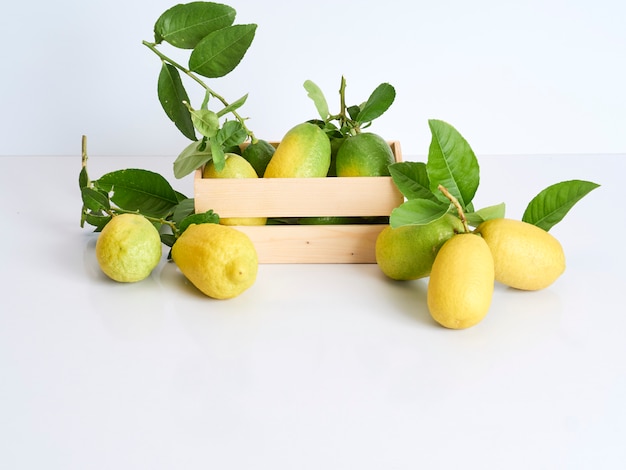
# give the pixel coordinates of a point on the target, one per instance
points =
(305, 197)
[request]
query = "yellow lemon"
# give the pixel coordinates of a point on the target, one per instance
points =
(235, 166)
(128, 248)
(408, 252)
(220, 261)
(526, 257)
(461, 282)
(364, 154)
(304, 152)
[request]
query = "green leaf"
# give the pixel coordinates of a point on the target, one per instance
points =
(95, 200)
(233, 106)
(411, 179)
(417, 212)
(205, 121)
(168, 239)
(192, 157)
(184, 26)
(451, 163)
(173, 96)
(138, 190)
(552, 204)
(208, 217)
(379, 101)
(486, 213)
(217, 154)
(353, 112)
(315, 93)
(231, 134)
(97, 220)
(222, 50)
(83, 178)
(183, 209)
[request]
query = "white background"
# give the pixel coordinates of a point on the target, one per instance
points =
(530, 77)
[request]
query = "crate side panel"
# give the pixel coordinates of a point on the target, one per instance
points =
(285, 244)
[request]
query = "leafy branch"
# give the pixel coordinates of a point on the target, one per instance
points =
(217, 47)
(350, 119)
(452, 165)
(135, 191)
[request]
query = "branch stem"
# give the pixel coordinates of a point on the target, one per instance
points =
(193, 76)
(455, 202)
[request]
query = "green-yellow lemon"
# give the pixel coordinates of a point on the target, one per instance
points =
(304, 152)
(364, 154)
(526, 257)
(220, 261)
(235, 166)
(408, 252)
(128, 248)
(461, 282)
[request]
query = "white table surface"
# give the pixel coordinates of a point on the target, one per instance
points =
(316, 366)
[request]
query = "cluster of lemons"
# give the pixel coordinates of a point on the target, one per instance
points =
(463, 266)
(218, 259)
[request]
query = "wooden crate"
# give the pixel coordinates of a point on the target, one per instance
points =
(304, 197)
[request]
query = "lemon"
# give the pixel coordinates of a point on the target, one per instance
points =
(235, 166)
(526, 257)
(128, 248)
(408, 252)
(220, 261)
(364, 154)
(259, 155)
(461, 282)
(304, 152)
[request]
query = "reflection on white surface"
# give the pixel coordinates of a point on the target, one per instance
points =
(315, 366)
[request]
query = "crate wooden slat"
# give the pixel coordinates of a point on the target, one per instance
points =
(297, 197)
(304, 197)
(315, 243)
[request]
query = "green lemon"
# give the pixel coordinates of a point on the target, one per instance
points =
(259, 155)
(304, 152)
(220, 261)
(128, 248)
(335, 144)
(408, 252)
(235, 166)
(364, 154)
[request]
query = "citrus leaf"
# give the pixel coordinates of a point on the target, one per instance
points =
(83, 178)
(315, 93)
(451, 163)
(486, 213)
(183, 209)
(231, 134)
(217, 154)
(138, 190)
(552, 204)
(184, 26)
(222, 50)
(173, 96)
(233, 106)
(206, 121)
(97, 220)
(417, 212)
(192, 157)
(411, 179)
(379, 101)
(94, 200)
(168, 239)
(208, 217)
